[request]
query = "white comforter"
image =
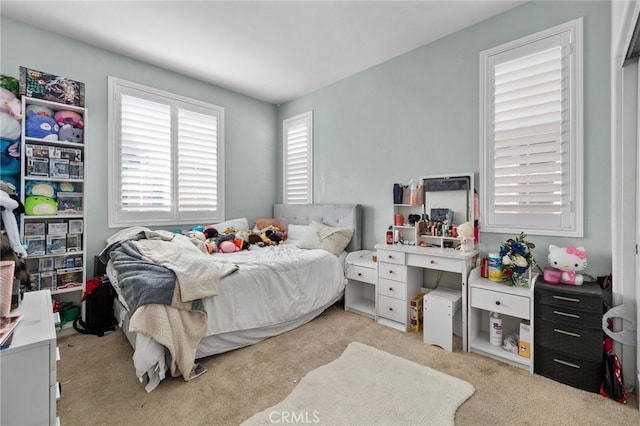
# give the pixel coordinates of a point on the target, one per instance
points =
(273, 285)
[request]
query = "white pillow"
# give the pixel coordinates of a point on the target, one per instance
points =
(241, 224)
(296, 232)
(321, 236)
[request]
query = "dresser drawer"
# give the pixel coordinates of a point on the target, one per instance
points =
(572, 371)
(434, 262)
(503, 303)
(395, 289)
(569, 316)
(360, 273)
(582, 342)
(393, 309)
(587, 297)
(391, 257)
(392, 271)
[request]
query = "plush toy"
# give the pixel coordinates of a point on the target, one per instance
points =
(69, 133)
(227, 247)
(10, 225)
(465, 233)
(38, 205)
(66, 187)
(564, 262)
(69, 117)
(38, 126)
(10, 104)
(9, 127)
(210, 232)
(9, 157)
(39, 110)
(36, 187)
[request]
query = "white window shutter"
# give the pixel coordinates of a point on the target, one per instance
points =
(532, 147)
(166, 156)
(298, 162)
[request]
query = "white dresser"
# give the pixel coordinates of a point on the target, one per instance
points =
(362, 275)
(28, 367)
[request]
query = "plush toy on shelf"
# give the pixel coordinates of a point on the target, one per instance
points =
(465, 233)
(42, 127)
(10, 104)
(564, 262)
(69, 117)
(68, 133)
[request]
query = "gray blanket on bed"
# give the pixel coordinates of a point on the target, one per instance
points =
(142, 282)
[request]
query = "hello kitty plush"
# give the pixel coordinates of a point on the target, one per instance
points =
(564, 262)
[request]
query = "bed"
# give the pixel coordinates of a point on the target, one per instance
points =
(258, 293)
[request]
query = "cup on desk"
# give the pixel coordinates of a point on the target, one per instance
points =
(399, 220)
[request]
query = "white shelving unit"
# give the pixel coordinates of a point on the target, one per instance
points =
(514, 304)
(55, 240)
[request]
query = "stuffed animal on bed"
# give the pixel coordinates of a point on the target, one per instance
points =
(227, 247)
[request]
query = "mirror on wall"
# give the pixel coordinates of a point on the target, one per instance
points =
(449, 196)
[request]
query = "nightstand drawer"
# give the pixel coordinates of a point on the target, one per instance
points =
(392, 271)
(393, 309)
(503, 303)
(391, 257)
(359, 273)
(395, 289)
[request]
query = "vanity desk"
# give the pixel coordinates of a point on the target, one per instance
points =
(400, 272)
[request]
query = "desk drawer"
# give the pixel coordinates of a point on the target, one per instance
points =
(578, 297)
(393, 309)
(390, 288)
(503, 303)
(359, 273)
(392, 271)
(391, 257)
(434, 262)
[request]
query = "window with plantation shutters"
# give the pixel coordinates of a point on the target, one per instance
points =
(165, 157)
(531, 134)
(298, 159)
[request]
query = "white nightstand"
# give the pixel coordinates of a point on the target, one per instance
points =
(362, 276)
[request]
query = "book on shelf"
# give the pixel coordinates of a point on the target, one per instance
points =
(7, 326)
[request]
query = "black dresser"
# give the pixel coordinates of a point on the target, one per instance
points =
(568, 333)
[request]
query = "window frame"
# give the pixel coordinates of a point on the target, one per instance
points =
(305, 118)
(116, 217)
(572, 219)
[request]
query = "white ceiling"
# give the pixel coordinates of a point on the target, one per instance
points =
(275, 51)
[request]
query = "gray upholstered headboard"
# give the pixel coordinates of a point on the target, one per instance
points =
(342, 215)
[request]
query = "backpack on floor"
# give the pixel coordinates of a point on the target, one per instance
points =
(99, 315)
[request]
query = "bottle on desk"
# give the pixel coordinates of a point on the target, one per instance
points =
(495, 329)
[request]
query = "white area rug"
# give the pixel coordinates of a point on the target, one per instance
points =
(367, 386)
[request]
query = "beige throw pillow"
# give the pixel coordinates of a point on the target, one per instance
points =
(321, 236)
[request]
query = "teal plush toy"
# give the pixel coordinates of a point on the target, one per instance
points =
(37, 205)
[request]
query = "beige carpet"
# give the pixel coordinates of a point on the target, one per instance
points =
(368, 386)
(99, 386)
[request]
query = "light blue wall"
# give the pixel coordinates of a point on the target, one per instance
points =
(418, 114)
(250, 125)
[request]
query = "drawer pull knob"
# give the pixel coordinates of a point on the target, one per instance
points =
(390, 308)
(498, 302)
(390, 288)
(567, 333)
(565, 314)
(566, 299)
(432, 261)
(390, 257)
(568, 364)
(359, 274)
(391, 271)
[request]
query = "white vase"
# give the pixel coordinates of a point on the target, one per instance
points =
(7, 268)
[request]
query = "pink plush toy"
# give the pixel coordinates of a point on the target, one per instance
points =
(9, 104)
(69, 117)
(564, 262)
(227, 247)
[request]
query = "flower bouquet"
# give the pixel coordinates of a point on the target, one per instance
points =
(517, 258)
